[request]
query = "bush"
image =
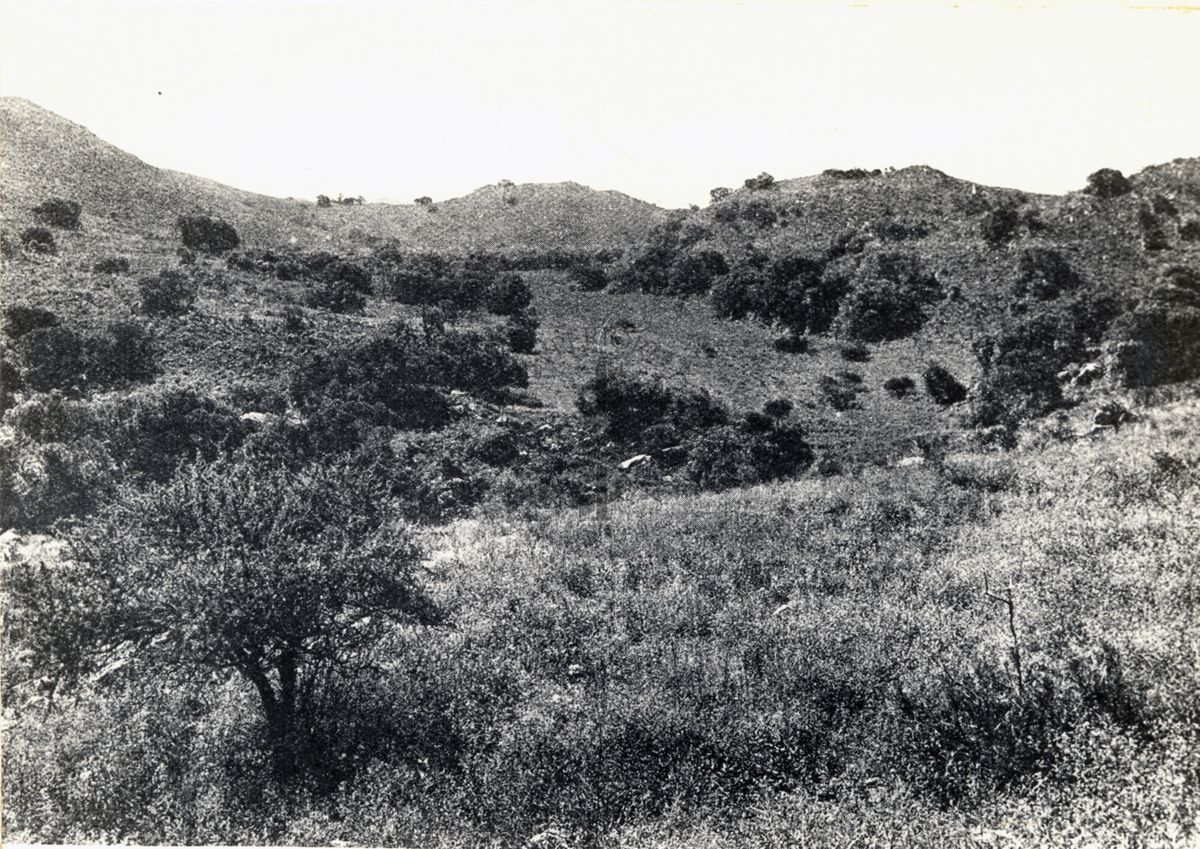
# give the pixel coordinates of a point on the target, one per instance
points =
(1044, 274)
(20, 319)
(589, 277)
(508, 295)
(520, 332)
(1108, 183)
(850, 173)
(855, 352)
(693, 273)
(1154, 234)
(1189, 231)
(631, 404)
(899, 387)
(49, 358)
(719, 194)
(323, 202)
(759, 212)
(203, 233)
(277, 600)
(337, 296)
(112, 265)
(999, 225)
(124, 351)
(169, 292)
(58, 212)
(1158, 342)
(841, 391)
(942, 386)
(888, 299)
(762, 181)
(39, 240)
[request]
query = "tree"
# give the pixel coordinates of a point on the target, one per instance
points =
(720, 193)
(285, 580)
(324, 201)
(1108, 183)
(58, 212)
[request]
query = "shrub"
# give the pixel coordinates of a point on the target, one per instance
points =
(778, 408)
(337, 296)
(888, 298)
(841, 391)
(1044, 274)
(20, 319)
(942, 386)
(323, 201)
(169, 292)
(850, 173)
(39, 240)
(112, 265)
(521, 332)
(589, 277)
(1158, 342)
(58, 212)
(999, 225)
(1189, 231)
(1108, 183)
(759, 212)
(155, 429)
(49, 358)
(719, 194)
(508, 295)
(899, 387)
(124, 351)
(693, 273)
(203, 233)
(631, 404)
(855, 352)
(762, 181)
(290, 601)
(1154, 234)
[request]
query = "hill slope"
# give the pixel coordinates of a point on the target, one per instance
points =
(45, 155)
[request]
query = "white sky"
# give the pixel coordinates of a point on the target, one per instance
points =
(662, 100)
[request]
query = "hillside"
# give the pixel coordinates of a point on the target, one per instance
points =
(45, 155)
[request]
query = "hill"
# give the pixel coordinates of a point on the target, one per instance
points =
(45, 155)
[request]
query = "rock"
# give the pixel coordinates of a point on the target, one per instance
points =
(255, 421)
(634, 462)
(1088, 373)
(1113, 414)
(909, 462)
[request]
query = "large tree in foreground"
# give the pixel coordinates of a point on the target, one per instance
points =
(288, 581)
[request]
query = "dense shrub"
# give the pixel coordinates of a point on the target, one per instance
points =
(124, 351)
(1108, 183)
(850, 173)
(841, 391)
(169, 292)
(728, 456)
(762, 181)
(1154, 234)
(203, 233)
(631, 404)
(693, 273)
(1159, 341)
(1044, 273)
(508, 295)
(520, 332)
(589, 277)
(888, 299)
(719, 194)
(39, 240)
(58, 212)
(112, 265)
(855, 352)
(155, 429)
(49, 358)
(19, 319)
(998, 226)
(1189, 231)
(899, 387)
(337, 296)
(942, 386)
(232, 569)
(759, 212)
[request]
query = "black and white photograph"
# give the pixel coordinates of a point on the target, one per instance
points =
(623, 424)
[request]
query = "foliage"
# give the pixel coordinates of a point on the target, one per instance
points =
(508, 295)
(1107, 183)
(942, 386)
(58, 212)
(1044, 274)
(204, 233)
(899, 387)
(762, 181)
(1159, 341)
(999, 226)
(520, 332)
(39, 240)
(170, 292)
(287, 581)
(20, 319)
(112, 265)
(888, 300)
(589, 277)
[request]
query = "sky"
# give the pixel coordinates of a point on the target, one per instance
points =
(661, 100)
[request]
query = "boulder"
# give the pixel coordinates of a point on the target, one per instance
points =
(256, 421)
(634, 462)
(909, 462)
